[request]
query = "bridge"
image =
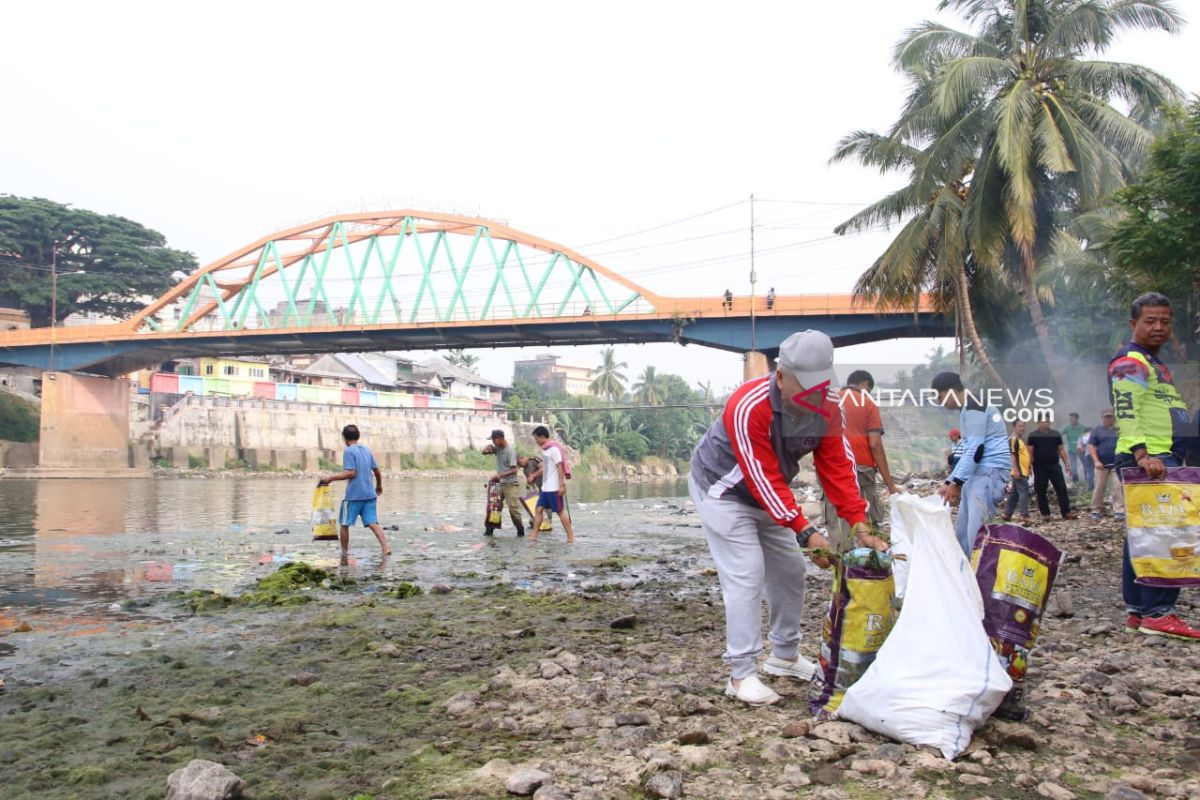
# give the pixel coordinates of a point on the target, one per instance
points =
(412, 280)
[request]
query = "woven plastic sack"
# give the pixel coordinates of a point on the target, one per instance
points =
(324, 515)
(1015, 569)
(530, 503)
(901, 548)
(860, 617)
(495, 503)
(1162, 522)
(936, 678)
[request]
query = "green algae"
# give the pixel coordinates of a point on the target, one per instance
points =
(290, 585)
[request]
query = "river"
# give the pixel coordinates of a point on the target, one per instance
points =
(76, 554)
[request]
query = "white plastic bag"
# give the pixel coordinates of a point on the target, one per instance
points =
(936, 678)
(901, 545)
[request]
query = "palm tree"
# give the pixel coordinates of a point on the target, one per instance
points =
(461, 358)
(930, 254)
(1047, 134)
(648, 390)
(609, 381)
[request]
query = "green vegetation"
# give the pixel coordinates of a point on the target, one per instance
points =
(290, 585)
(19, 420)
(1008, 139)
(106, 264)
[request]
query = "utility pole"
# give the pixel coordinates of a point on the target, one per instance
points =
(53, 299)
(753, 276)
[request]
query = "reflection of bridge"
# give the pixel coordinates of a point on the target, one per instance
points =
(410, 280)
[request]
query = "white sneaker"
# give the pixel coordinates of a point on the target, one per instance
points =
(752, 692)
(801, 668)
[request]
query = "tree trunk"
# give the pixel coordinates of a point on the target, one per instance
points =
(1040, 328)
(967, 319)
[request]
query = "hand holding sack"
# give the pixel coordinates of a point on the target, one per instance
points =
(324, 514)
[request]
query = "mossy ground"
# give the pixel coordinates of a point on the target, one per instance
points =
(369, 721)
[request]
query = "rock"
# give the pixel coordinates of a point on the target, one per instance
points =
(1010, 734)
(827, 776)
(967, 779)
(1109, 667)
(1122, 704)
(1061, 605)
(776, 751)
(549, 670)
(550, 793)
(525, 781)
(390, 650)
(569, 661)
(665, 785)
(1025, 781)
(690, 705)
(624, 623)
(441, 588)
(1124, 793)
(695, 757)
(24, 627)
(576, 719)
(1095, 678)
(209, 715)
(302, 679)
(796, 730)
(833, 732)
(794, 777)
(695, 736)
(460, 704)
(204, 780)
(495, 770)
(873, 766)
(1054, 792)
(632, 718)
(519, 633)
(889, 752)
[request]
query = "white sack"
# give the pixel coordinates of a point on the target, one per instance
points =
(901, 544)
(936, 678)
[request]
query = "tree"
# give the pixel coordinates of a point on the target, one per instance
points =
(647, 390)
(609, 381)
(460, 358)
(124, 264)
(1022, 95)
(1158, 239)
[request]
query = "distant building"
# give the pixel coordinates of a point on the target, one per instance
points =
(372, 371)
(252, 368)
(552, 376)
(14, 319)
(460, 382)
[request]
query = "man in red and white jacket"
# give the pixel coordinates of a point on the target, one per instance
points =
(740, 480)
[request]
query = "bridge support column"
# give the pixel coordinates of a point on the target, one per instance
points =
(85, 428)
(755, 366)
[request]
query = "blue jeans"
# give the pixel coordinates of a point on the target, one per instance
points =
(1089, 472)
(982, 492)
(1145, 601)
(1076, 462)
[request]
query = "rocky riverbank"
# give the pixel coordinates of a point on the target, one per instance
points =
(614, 691)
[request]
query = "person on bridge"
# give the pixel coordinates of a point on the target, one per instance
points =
(728, 301)
(739, 482)
(770, 298)
(359, 503)
(506, 481)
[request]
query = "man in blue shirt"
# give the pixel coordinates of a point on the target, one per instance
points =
(1102, 451)
(978, 479)
(359, 502)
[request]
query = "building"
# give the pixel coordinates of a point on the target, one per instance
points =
(460, 382)
(14, 319)
(381, 372)
(553, 376)
(252, 368)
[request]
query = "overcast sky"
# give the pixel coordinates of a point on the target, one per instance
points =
(217, 123)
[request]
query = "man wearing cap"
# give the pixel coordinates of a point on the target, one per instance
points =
(978, 479)
(739, 481)
(506, 480)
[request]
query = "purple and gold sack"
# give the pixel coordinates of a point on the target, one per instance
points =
(1015, 568)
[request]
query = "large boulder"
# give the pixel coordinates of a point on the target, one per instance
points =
(204, 780)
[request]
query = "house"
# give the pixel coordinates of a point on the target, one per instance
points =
(460, 382)
(553, 376)
(252, 368)
(14, 319)
(371, 371)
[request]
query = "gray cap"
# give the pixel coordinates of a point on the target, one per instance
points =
(808, 356)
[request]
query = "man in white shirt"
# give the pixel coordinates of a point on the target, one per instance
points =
(553, 497)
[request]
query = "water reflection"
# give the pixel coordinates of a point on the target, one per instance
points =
(75, 544)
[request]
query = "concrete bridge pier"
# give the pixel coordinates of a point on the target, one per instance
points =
(84, 429)
(756, 365)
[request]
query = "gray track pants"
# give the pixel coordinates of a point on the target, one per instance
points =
(754, 556)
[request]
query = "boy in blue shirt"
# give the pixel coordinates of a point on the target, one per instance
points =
(359, 502)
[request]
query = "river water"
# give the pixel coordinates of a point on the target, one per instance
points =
(74, 553)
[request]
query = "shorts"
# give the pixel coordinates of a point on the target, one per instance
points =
(355, 509)
(551, 501)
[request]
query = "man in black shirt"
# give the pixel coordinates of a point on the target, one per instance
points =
(1048, 451)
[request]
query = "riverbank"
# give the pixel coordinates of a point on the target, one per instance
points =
(605, 687)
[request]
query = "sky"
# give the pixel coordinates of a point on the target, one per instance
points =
(633, 132)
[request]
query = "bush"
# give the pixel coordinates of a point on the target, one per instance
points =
(19, 421)
(628, 445)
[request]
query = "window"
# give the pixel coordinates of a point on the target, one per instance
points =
(257, 372)
(229, 369)
(208, 369)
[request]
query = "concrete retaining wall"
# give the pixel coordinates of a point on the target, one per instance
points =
(285, 435)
